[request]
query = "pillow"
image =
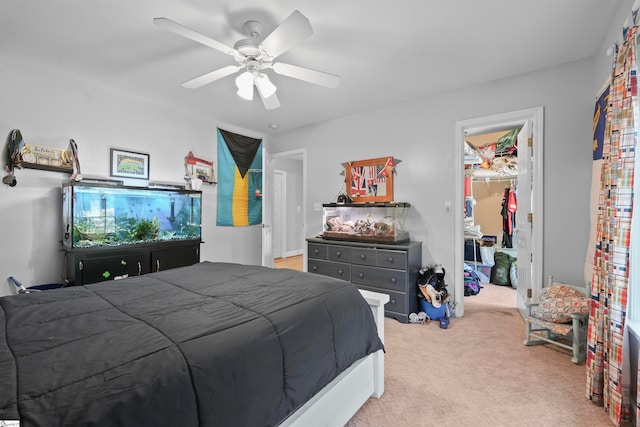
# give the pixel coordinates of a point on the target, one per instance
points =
(559, 310)
(559, 291)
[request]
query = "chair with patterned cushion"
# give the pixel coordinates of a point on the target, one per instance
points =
(560, 318)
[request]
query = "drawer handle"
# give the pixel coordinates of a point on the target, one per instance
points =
(390, 259)
(157, 265)
(340, 272)
(314, 268)
(363, 256)
(394, 280)
(361, 275)
(316, 251)
(139, 268)
(393, 301)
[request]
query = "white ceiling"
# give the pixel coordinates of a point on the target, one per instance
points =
(386, 52)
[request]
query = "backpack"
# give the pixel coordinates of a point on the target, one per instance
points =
(471, 283)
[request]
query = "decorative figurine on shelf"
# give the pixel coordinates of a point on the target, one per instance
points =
(343, 199)
(15, 142)
(199, 168)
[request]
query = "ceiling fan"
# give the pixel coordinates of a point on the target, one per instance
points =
(254, 56)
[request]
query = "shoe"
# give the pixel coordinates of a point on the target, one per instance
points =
(435, 296)
(417, 318)
(423, 290)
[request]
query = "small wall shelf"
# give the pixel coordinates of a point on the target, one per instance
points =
(27, 165)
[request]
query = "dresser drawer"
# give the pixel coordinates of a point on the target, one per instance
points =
(332, 269)
(317, 251)
(339, 253)
(391, 259)
(394, 280)
(397, 302)
(363, 256)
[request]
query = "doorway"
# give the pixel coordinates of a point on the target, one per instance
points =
(289, 213)
(529, 218)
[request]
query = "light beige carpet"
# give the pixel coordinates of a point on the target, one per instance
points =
(478, 373)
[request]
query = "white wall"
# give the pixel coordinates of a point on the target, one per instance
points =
(50, 109)
(422, 135)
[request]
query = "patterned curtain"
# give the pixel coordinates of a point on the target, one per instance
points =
(606, 383)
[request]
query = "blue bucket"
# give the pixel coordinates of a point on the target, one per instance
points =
(433, 312)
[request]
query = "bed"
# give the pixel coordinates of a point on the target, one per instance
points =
(204, 345)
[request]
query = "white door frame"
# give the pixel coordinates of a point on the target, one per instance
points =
(299, 154)
(488, 124)
(279, 234)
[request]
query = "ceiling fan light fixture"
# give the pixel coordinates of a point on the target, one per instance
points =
(264, 85)
(244, 82)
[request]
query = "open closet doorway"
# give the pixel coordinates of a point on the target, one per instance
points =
(523, 173)
(289, 230)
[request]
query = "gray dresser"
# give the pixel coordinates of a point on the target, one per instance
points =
(390, 269)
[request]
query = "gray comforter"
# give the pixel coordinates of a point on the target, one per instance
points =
(211, 344)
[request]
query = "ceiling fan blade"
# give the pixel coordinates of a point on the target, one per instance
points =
(270, 103)
(289, 33)
(211, 77)
(183, 31)
(312, 76)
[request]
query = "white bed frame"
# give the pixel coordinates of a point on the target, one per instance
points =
(339, 400)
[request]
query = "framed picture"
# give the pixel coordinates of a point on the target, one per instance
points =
(370, 180)
(129, 164)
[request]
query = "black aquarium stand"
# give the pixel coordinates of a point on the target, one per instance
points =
(84, 266)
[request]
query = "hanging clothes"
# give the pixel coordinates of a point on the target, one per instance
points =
(508, 213)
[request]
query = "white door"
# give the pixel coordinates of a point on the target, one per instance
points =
(524, 228)
(267, 208)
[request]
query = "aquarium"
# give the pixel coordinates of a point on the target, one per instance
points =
(103, 215)
(366, 222)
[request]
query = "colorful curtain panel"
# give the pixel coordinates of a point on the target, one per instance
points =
(239, 180)
(609, 288)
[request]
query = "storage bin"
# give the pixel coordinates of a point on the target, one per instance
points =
(433, 312)
(469, 246)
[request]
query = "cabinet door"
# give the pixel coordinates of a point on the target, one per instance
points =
(164, 259)
(102, 268)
